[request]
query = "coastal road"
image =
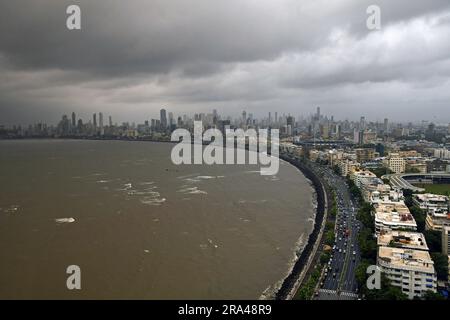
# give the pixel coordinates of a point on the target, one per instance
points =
(339, 282)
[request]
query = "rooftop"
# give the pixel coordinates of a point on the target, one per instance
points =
(394, 213)
(427, 197)
(406, 259)
(403, 239)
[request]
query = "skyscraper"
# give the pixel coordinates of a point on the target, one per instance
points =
(171, 120)
(74, 123)
(110, 121)
(362, 123)
(94, 120)
(100, 120)
(163, 119)
(386, 125)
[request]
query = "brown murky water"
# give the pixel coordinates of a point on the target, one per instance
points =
(140, 227)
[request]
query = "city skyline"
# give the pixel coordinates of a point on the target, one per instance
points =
(285, 56)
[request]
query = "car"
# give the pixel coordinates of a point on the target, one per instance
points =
(340, 250)
(354, 253)
(334, 275)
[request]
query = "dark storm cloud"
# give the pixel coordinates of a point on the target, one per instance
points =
(133, 56)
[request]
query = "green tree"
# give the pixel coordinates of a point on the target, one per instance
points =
(329, 237)
(419, 216)
(434, 240)
(361, 273)
(430, 295)
(440, 265)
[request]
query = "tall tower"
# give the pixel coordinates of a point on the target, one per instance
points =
(362, 123)
(163, 119)
(94, 120)
(171, 120)
(110, 121)
(100, 120)
(74, 123)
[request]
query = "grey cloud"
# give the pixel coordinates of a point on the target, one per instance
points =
(132, 56)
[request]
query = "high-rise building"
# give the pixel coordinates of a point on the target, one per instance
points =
(163, 119)
(364, 155)
(94, 120)
(171, 119)
(362, 123)
(74, 123)
(100, 120)
(110, 121)
(318, 114)
(244, 117)
(386, 125)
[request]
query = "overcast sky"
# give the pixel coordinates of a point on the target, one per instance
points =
(134, 57)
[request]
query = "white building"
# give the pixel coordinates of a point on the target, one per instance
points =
(432, 202)
(436, 208)
(393, 216)
(364, 175)
(442, 153)
(411, 270)
(384, 193)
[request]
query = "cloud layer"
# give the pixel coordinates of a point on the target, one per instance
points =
(132, 58)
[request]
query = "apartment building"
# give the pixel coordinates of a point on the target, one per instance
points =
(358, 176)
(393, 216)
(436, 208)
(432, 202)
(395, 163)
(347, 166)
(411, 270)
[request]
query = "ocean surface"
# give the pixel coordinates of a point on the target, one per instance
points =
(140, 227)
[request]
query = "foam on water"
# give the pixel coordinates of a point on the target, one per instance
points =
(65, 220)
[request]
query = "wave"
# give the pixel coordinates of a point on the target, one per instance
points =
(270, 292)
(65, 220)
(153, 201)
(192, 190)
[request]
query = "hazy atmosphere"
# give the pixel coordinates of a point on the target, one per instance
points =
(132, 58)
